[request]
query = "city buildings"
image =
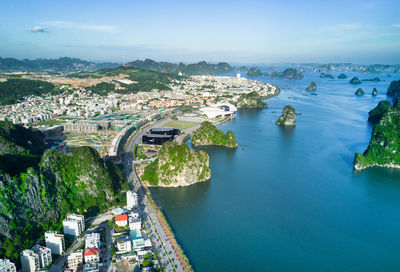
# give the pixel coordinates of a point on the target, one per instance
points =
(131, 200)
(75, 260)
(55, 242)
(91, 267)
(7, 266)
(74, 225)
(134, 221)
(121, 220)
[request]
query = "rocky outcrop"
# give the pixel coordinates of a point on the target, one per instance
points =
(251, 101)
(342, 76)
(312, 87)
(208, 134)
(374, 92)
(355, 81)
(359, 92)
(177, 165)
(375, 79)
(394, 91)
(288, 117)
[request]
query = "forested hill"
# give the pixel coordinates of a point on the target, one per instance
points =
(37, 197)
(14, 89)
(58, 65)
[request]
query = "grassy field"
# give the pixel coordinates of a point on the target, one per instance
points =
(180, 124)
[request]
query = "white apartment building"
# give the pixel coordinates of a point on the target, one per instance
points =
(29, 261)
(134, 221)
(124, 244)
(55, 242)
(44, 254)
(7, 266)
(75, 260)
(92, 240)
(131, 200)
(74, 224)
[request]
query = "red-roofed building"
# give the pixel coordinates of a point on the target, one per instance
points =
(121, 220)
(92, 255)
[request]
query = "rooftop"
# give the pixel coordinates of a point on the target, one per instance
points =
(121, 217)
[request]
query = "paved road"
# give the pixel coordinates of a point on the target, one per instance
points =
(168, 256)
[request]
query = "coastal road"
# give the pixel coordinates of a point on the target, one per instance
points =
(168, 256)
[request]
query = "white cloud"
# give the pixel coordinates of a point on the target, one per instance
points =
(75, 25)
(37, 29)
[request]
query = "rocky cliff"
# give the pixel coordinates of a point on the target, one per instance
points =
(287, 117)
(177, 165)
(251, 101)
(312, 87)
(208, 134)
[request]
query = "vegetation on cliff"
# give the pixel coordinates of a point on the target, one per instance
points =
(251, 101)
(37, 198)
(208, 134)
(177, 165)
(13, 90)
(394, 91)
(384, 146)
(375, 115)
(287, 117)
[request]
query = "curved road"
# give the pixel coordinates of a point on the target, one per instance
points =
(163, 246)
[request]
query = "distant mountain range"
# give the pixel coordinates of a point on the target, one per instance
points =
(200, 68)
(64, 64)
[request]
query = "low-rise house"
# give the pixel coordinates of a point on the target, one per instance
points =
(124, 244)
(92, 255)
(121, 220)
(91, 267)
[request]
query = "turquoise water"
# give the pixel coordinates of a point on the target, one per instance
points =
(290, 201)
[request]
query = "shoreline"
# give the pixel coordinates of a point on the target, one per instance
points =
(390, 165)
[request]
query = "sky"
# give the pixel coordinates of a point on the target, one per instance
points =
(242, 32)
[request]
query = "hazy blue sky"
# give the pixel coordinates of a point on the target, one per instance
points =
(252, 31)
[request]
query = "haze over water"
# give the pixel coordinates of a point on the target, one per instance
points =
(290, 200)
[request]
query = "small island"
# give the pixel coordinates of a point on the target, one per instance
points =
(255, 71)
(359, 92)
(342, 76)
(177, 165)
(375, 115)
(208, 134)
(375, 79)
(374, 92)
(251, 101)
(355, 81)
(312, 87)
(323, 75)
(287, 117)
(289, 73)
